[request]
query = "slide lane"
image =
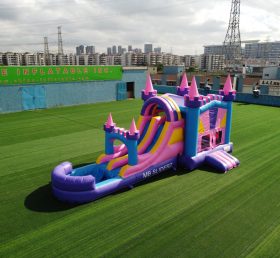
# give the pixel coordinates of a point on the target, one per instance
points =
(168, 146)
(142, 146)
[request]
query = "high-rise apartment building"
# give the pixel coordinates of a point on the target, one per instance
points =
(138, 59)
(159, 58)
(117, 60)
(148, 48)
(1, 58)
(151, 59)
(214, 50)
(29, 59)
(90, 50)
(82, 59)
(109, 51)
(72, 59)
(13, 59)
(129, 48)
(94, 59)
(41, 58)
(265, 50)
(157, 50)
(176, 60)
(187, 60)
(211, 62)
(123, 50)
(114, 50)
(119, 50)
(102, 59)
(80, 50)
(126, 59)
(64, 60)
(167, 59)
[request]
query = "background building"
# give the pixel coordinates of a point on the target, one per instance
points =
(90, 50)
(211, 62)
(114, 50)
(126, 59)
(80, 50)
(265, 50)
(157, 50)
(13, 59)
(148, 48)
(171, 75)
(109, 51)
(271, 73)
(270, 82)
(82, 59)
(214, 50)
(119, 50)
(31, 59)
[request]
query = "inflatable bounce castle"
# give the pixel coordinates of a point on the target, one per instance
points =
(185, 130)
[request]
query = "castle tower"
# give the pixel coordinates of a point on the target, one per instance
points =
(149, 91)
(228, 96)
(132, 136)
(129, 138)
(193, 101)
(109, 127)
(184, 87)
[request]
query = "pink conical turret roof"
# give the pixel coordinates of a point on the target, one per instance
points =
(193, 92)
(227, 86)
(184, 82)
(132, 129)
(110, 121)
(149, 85)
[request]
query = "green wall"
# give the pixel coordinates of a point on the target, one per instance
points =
(18, 75)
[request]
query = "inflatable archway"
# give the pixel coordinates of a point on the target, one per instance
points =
(163, 103)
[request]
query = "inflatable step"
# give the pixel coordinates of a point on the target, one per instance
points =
(221, 161)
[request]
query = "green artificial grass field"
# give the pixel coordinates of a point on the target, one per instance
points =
(176, 214)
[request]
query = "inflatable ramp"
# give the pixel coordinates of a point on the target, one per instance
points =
(221, 161)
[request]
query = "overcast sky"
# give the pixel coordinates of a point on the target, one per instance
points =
(180, 26)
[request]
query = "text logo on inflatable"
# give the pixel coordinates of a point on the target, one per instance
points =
(158, 170)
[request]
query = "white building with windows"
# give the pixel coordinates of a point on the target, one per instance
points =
(212, 62)
(13, 59)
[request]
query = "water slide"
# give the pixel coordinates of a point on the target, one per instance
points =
(148, 129)
(162, 140)
(168, 146)
(153, 148)
(88, 183)
(160, 143)
(152, 132)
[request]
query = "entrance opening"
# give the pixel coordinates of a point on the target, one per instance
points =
(205, 142)
(219, 137)
(130, 90)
